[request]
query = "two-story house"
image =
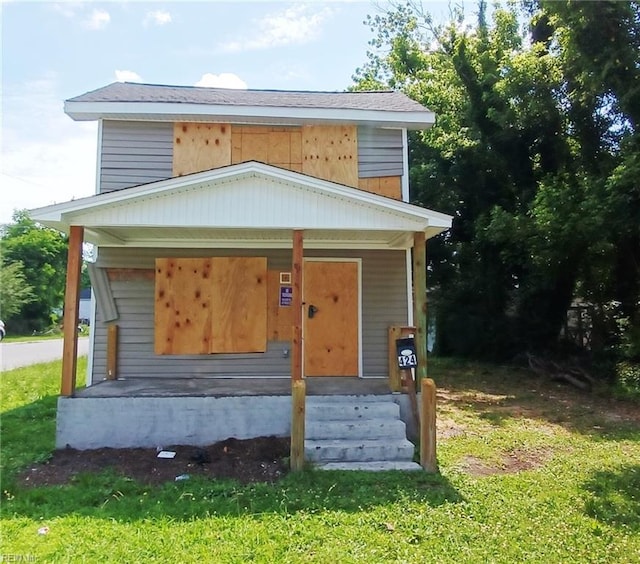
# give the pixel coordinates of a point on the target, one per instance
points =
(244, 237)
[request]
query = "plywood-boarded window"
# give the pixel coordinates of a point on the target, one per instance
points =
(211, 305)
(277, 146)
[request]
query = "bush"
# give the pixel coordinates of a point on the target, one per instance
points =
(628, 378)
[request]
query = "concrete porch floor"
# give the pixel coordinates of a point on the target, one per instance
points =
(230, 387)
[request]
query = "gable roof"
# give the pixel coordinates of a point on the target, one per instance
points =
(248, 204)
(124, 100)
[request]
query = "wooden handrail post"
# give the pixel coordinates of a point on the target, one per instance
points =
(428, 459)
(298, 401)
(395, 383)
(395, 374)
(298, 385)
(71, 308)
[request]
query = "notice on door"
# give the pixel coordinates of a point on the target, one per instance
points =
(286, 295)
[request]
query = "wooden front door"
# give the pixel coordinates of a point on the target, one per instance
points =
(331, 318)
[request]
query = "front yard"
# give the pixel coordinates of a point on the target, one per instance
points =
(530, 471)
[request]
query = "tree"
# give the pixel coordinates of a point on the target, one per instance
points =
(534, 153)
(15, 292)
(43, 255)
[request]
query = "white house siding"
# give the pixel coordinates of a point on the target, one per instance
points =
(135, 153)
(384, 303)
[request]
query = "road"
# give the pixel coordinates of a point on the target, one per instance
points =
(14, 355)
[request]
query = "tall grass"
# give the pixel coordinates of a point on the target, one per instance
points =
(574, 497)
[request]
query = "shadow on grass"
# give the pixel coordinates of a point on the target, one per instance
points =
(110, 496)
(612, 497)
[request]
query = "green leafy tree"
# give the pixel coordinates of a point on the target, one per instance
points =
(43, 255)
(15, 292)
(534, 153)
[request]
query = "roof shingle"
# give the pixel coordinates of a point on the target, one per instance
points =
(392, 101)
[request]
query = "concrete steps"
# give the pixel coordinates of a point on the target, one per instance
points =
(357, 433)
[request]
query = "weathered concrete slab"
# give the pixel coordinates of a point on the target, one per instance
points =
(377, 466)
(88, 423)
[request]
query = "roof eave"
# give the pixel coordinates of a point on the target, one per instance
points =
(167, 111)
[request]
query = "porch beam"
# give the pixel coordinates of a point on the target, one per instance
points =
(428, 458)
(298, 385)
(71, 308)
(296, 304)
(420, 302)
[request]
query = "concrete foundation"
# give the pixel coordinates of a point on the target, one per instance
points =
(106, 416)
(89, 423)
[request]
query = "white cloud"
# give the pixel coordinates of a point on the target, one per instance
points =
(98, 19)
(295, 25)
(157, 17)
(127, 76)
(222, 80)
(46, 156)
(67, 9)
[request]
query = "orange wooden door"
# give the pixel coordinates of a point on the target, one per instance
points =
(331, 334)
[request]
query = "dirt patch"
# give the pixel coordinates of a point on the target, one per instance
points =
(447, 428)
(251, 460)
(510, 463)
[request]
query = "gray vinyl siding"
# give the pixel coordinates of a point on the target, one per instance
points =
(379, 152)
(384, 303)
(134, 153)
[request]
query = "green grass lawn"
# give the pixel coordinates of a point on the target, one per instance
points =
(530, 472)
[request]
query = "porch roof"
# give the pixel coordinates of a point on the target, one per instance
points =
(245, 205)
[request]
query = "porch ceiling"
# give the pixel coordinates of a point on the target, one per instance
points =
(251, 204)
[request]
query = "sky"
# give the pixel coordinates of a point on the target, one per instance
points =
(53, 51)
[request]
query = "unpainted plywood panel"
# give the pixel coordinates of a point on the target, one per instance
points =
(279, 318)
(331, 152)
(255, 147)
(389, 186)
(296, 148)
(236, 145)
(331, 335)
(200, 146)
(182, 306)
(239, 305)
(277, 146)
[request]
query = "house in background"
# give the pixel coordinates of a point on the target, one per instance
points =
(84, 306)
(244, 238)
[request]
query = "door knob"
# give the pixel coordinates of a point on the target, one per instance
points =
(312, 311)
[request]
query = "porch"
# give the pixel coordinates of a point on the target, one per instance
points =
(204, 411)
(149, 387)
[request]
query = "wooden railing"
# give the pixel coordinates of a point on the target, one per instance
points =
(425, 416)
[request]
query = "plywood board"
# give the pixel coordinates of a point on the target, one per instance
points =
(183, 313)
(331, 335)
(279, 318)
(389, 186)
(239, 305)
(277, 146)
(200, 146)
(255, 146)
(331, 152)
